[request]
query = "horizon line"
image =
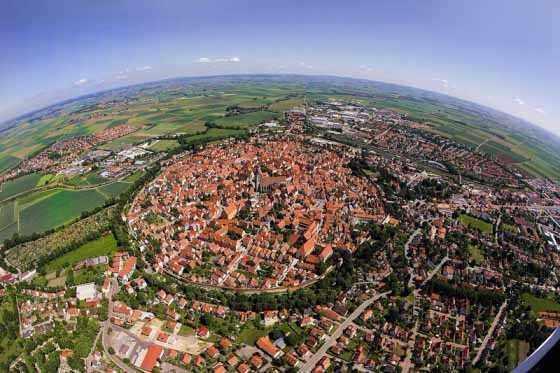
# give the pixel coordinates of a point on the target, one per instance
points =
(74, 98)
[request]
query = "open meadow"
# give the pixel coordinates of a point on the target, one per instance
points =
(105, 245)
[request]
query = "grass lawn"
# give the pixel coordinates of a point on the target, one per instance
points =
(250, 333)
(164, 145)
(475, 223)
(476, 254)
(91, 274)
(57, 282)
(186, 330)
(508, 228)
(516, 351)
(410, 298)
(102, 246)
(540, 304)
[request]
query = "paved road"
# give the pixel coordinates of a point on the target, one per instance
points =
(312, 362)
(489, 334)
(414, 234)
(497, 226)
(407, 364)
(435, 270)
(105, 335)
(479, 145)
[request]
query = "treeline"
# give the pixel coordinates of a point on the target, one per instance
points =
(431, 188)
(359, 166)
(211, 124)
(72, 245)
(190, 142)
(237, 110)
(480, 296)
(323, 292)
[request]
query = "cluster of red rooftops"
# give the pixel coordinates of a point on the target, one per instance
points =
(260, 214)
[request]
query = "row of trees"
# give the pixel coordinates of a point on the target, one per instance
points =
(479, 296)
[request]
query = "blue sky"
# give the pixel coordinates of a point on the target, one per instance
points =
(504, 54)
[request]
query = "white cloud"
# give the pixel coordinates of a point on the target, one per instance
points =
(304, 65)
(81, 82)
(144, 68)
(444, 82)
(219, 60)
(540, 110)
(121, 77)
(518, 101)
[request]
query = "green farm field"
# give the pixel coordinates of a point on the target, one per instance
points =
(40, 211)
(246, 120)
(164, 145)
(19, 185)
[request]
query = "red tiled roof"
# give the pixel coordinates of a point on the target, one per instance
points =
(150, 360)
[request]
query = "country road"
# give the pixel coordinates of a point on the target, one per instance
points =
(312, 362)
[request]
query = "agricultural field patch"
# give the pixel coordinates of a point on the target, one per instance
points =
(57, 209)
(164, 145)
(8, 161)
(246, 120)
(114, 189)
(7, 215)
(214, 134)
(19, 185)
(26, 254)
